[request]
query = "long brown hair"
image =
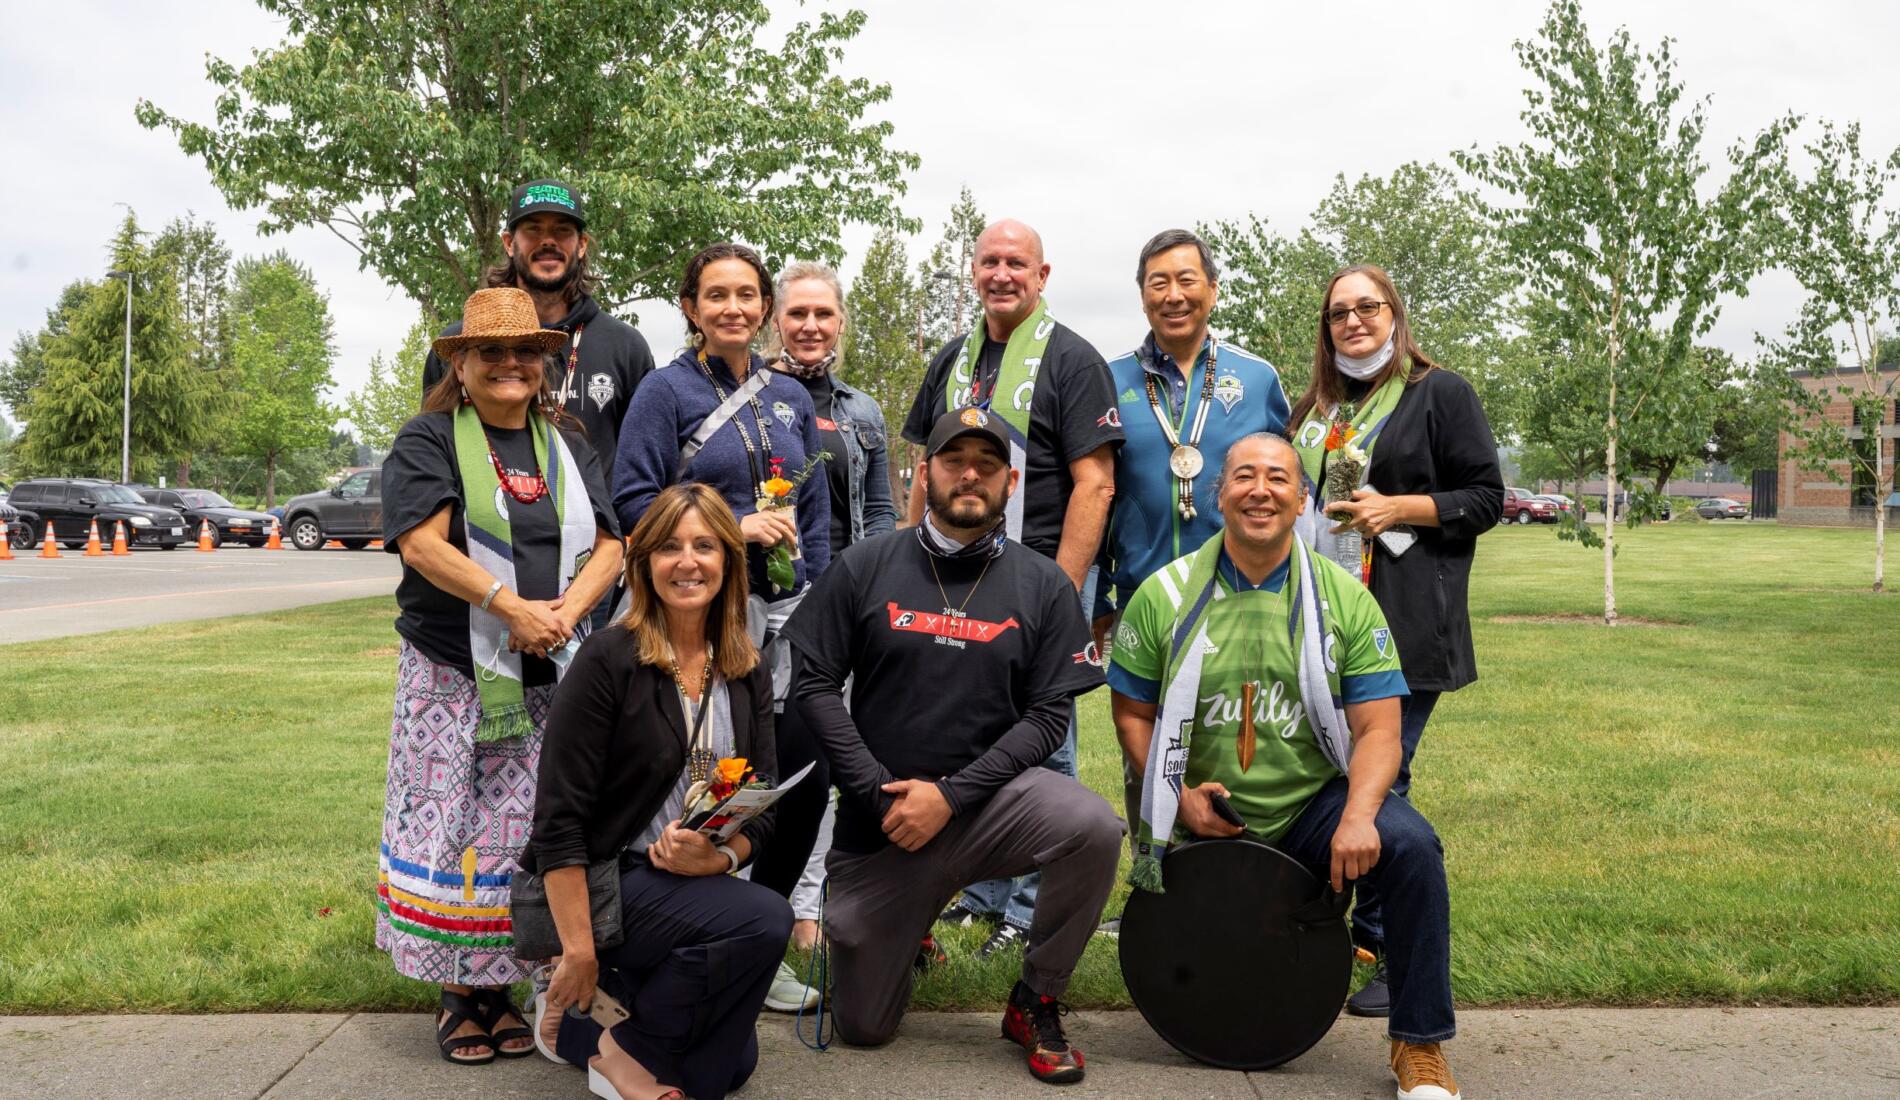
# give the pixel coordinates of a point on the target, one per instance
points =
(1328, 387)
(580, 281)
(446, 396)
(726, 619)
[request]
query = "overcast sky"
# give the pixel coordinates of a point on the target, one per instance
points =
(1097, 122)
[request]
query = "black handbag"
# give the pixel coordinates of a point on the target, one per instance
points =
(536, 937)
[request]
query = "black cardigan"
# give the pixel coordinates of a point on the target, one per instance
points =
(1437, 443)
(616, 741)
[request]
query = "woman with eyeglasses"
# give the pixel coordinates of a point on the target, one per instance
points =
(1427, 487)
(508, 539)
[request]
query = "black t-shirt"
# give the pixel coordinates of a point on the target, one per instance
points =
(1072, 413)
(838, 468)
(419, 477)
(938, 694)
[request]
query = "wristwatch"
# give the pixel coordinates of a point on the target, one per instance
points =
(732, 858)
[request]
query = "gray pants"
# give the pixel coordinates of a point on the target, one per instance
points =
(883, 904)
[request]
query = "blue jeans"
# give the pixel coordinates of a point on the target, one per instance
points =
(1014, 899)
(1410, 877)
(1368, 925)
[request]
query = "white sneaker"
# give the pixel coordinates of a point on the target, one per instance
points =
(789, 993)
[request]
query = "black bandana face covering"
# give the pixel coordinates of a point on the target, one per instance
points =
(940, 545)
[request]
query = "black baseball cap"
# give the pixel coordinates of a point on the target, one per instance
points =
(969, 420)
(545, 196)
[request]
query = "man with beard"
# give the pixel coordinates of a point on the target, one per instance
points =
(1258, 673)
(1051, 392)
(546, 243)
(967, 650)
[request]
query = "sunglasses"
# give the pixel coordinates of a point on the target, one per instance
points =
(525, 354)
(1366, 310)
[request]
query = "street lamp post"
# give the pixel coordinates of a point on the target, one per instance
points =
(125, 440)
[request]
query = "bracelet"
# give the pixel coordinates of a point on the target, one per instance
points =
(732, 858)
(490, 598)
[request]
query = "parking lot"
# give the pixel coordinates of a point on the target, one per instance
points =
(42, 599)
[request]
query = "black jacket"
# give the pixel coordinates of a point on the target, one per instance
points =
(614, 358)
(1438, 443)
(616, 742)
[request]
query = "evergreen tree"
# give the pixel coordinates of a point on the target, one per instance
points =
(887, 357)
(282, 348)
(73, 417)
(200, 264)
(22, 372)
(951, 306)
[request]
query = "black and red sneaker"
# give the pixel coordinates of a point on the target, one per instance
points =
(1034, 1022)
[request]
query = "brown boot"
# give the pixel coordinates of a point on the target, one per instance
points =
(1422, 1071)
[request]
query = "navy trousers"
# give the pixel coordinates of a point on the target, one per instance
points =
(1368, 918)
(1410, 878)
(698, 956)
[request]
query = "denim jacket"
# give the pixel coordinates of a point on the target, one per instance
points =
(861, 423)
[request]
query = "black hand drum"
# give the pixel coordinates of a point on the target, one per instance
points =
(1244, 962)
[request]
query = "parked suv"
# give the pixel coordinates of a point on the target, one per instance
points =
(229, 523)
(350, 511)
(1522, 506)
(72, 503)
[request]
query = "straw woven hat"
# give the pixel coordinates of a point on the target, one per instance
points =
(502, 314)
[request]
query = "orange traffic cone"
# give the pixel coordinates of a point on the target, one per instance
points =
(93, 549)
(6, 544)
(276, 541)
(119, 547)
(49, 548)
(204, 537)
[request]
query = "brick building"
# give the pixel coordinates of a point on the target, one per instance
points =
(1809, 497)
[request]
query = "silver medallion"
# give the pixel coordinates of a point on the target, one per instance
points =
(1185, 461)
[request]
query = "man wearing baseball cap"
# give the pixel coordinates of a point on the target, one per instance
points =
(545, 243)
(967, 650)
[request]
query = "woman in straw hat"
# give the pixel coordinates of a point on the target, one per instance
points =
(508, 539)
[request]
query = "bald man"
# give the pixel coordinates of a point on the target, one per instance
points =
(1053, 391)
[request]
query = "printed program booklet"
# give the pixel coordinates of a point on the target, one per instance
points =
(720, 819)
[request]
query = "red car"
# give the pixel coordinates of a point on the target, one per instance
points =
(1523, 506)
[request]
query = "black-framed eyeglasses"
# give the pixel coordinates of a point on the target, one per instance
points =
(498, 353)
(1366, 310)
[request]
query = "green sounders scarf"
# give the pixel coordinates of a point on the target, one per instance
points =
(1308, 632)
(1367, 424)
(491, 546)
(1009, 396)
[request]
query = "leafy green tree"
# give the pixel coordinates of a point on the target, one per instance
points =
(1611, 227)
(200, 264)
(388, 398)
(1844, 246)
(282, 348)
(402, 127)
(1751, 411)
(20, 373)
(1685, 437)
(887, 354)
(73, 417)
(1271, 288)
(950, 304)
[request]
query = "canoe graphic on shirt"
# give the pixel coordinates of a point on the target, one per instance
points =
(947, 624)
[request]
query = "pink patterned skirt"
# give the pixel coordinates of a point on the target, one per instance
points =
(456, 815)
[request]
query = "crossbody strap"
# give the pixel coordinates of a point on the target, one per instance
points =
(748, 389)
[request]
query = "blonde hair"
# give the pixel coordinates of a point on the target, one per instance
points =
(726, 620)
(798, 272)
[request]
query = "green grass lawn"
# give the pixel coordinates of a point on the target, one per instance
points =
(1702, 809)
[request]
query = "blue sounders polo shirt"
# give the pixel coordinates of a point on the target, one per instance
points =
(1146, 530)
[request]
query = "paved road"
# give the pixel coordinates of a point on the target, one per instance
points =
(1500, 1054)
(42, 599)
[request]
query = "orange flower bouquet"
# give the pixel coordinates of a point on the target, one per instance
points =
(779, 493)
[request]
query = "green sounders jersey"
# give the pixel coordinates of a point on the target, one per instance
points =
(1248, 642)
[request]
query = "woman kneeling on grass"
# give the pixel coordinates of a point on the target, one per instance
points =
(648, 702)
(508, 539)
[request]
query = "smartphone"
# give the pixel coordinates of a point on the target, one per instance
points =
(1224, 810)
(605, 1010)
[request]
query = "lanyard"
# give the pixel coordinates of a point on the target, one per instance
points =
(573, 357)
(1184, 459)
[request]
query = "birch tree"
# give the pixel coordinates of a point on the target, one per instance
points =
(1604, 216)
(1843, 245)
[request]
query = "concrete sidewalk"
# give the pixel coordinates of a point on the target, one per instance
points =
(1679, 1054)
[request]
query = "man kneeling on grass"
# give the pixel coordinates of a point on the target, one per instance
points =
(1277, 684)
(967, 649)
